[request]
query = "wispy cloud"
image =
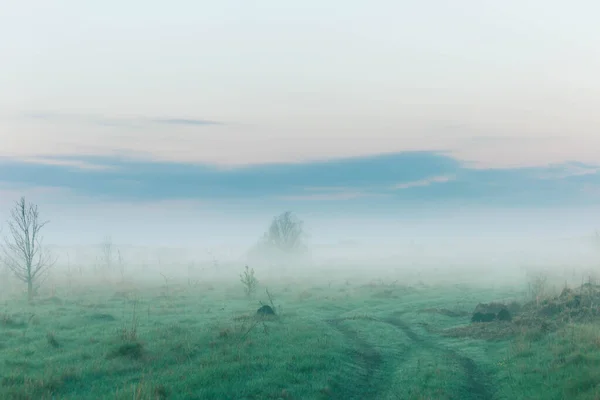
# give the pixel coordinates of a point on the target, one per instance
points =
(139, 179)
(184, 121)
(568, 170)
(424, 182)
(331, 196)
(66, 162)
(129, 122)
(332, 193)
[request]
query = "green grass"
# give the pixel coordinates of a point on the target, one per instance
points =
(340, 342)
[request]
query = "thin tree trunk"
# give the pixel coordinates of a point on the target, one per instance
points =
(30, 290)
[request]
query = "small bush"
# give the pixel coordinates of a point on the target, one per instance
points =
(249, 281)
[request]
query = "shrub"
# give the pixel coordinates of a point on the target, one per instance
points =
(249, 281)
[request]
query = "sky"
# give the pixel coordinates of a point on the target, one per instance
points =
(190, 121)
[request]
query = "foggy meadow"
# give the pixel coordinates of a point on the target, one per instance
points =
(281, 315)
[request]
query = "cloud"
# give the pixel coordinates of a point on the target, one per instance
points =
(329, 193)
(79, 164)
(568, 170)
(184, 137)
(128, 122)
(331, 196)
(144, 179)
(184, 121)
(380, 181)
(424, 182)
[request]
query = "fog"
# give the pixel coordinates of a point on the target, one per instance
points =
(468, 246)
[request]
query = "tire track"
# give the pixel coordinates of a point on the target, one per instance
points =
(367, 385)
(477, 385)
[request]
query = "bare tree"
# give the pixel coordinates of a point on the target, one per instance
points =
(283, 241)
(286, 233)
(22, 250)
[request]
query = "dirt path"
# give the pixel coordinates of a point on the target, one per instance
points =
(367, 384)
(477, 385)
(372, 377)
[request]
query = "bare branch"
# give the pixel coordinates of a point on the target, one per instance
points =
(22, 251)
(286, 233)
(283, 241)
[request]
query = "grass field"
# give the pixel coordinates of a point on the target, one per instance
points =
(331, 341)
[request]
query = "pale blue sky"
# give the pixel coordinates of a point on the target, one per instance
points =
(96, 86)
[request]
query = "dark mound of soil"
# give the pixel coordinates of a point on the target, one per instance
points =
(504, 315)
(483, 317)
(490, 321)
(491, 312)
(265, 311)
(499, 321)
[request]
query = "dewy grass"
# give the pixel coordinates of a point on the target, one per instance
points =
(329, 342)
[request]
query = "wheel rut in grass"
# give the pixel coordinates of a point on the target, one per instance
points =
(372, 378)
(477, 386)
(368, 382)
